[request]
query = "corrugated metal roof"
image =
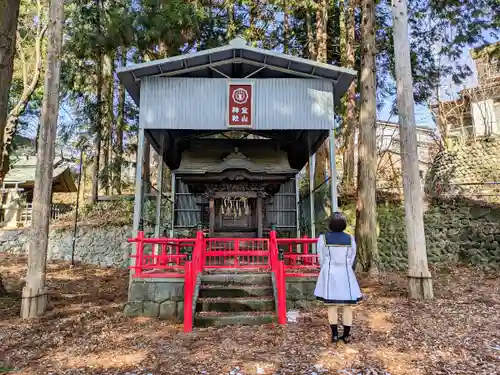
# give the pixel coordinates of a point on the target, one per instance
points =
(212, 61)
(23, 172)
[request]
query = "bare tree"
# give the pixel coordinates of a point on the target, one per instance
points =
(34, 297)
(366, 207)
(30, 77)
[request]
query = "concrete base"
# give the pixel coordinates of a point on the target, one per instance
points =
(156, 298)
(300, 292)
(164, 298)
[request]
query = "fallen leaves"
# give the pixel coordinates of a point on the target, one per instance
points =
(85, 332)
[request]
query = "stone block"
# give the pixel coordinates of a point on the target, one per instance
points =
(138, 291)
(173, 291)
(151, 309)
(301, 289)
(133, 309)
(168, 310)
(180, 310)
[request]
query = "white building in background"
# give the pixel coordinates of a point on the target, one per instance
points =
(476, 113)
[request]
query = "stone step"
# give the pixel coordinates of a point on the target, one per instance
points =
(260, 278)
(232, 271)
(210, 319)
(236, 291)
(235, 304)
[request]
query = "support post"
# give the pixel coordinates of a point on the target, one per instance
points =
(147, 166)
(173, 205)
(333, 172)
(311, 192)
(159, 187)
(297, 205)
(420, 281)
(211, 219)
(136, 226)
(259, 216)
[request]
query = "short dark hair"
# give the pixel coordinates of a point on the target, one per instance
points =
(338, 222)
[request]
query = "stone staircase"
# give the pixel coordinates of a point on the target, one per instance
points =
(235, 297)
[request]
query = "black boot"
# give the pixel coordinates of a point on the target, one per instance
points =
(346, 337)
(335, 332)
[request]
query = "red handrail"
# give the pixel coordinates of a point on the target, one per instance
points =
(188, 267)
(278, 267)
(193, 267)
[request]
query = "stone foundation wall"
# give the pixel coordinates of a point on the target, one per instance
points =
(464, 171)
(106, 247)
(300, 292)
(158, 298)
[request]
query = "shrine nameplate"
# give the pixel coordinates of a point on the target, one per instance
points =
(240, 105)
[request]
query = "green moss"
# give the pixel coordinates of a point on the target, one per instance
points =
(455, 232)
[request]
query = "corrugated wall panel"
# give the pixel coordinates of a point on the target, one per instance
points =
(187, 211)
(282, 211)
(201, 103)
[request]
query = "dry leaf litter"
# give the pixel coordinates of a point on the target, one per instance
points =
(85, 332)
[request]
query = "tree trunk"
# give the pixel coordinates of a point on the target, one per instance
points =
(9, 14)
(231, 26)
(366, 207)
(349, 115)
(98, 118)
(34, 297)
(311, 43)
(419, 277)
(286, 26)
(120, 126)
(107, 130)
(322, 155)
(30, 84)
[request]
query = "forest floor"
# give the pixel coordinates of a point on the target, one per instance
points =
(85, 332)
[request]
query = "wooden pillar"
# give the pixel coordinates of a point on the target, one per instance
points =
(211, 220)
(260, 215)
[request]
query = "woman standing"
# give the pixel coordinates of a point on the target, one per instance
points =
(337, 286)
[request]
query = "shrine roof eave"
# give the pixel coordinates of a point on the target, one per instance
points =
(236, 52)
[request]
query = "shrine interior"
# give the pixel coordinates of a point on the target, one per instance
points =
(235, 183)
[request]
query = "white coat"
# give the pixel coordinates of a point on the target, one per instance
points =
(337, 283)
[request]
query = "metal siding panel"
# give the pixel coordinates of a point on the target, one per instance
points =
(201, 103)
(293, 104)
(185, 201)
(282, 212)
(177, 103)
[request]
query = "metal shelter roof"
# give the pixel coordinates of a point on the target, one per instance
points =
(236, 60)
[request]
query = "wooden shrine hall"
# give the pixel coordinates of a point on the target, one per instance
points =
(280, 109)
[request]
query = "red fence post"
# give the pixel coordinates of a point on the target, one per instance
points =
(140, 254)
(281, 281)
(188, 297)
(200, 248)
(273, 248)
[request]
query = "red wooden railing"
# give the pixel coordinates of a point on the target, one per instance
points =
(194, 266)
(160, 257)
(187, 258)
